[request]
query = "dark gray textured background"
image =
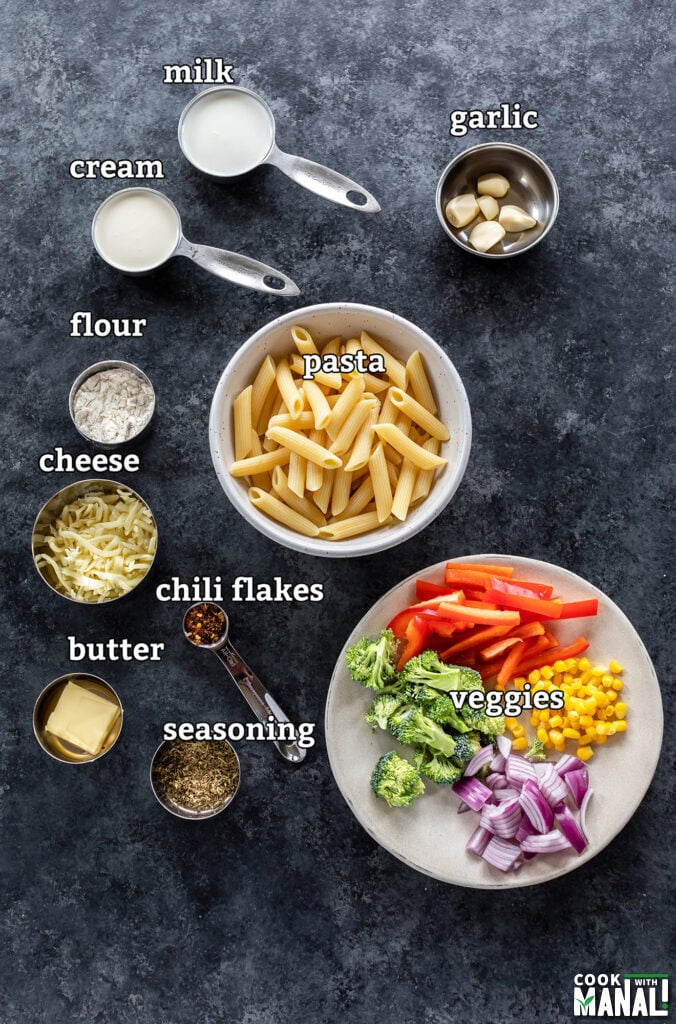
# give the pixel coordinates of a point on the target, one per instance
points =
(284, 909)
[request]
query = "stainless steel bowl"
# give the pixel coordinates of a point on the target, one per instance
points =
(60, 749)
(532, 187)
(183, 812)
(52, 509)
(109, 364)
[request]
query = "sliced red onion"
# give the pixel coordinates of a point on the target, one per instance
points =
(570, 829)
(502, 854)
(526, 828)
(463, 807)
(583, 813)
(504, 819)
(578, 783)
(504, 746)
(519, 770)
(498, 763)
(536, 807)
(478, 841)
(553, 842)
(552, 786)
(505, 794)
(479, 761)
(472, 792)
(568, 763)
(496, 781)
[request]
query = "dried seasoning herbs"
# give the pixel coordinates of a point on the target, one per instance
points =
(197, 775)
(205, 624)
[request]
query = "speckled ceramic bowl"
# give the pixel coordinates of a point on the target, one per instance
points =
(324, 322)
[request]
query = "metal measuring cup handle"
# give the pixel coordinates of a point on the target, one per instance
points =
(323, 181)
(232, 266)
(258, 698)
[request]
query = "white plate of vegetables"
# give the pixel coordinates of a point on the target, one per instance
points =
(479, 799)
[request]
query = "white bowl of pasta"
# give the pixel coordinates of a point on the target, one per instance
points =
(334, 462)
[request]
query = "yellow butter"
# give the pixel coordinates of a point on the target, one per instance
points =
(82, 718)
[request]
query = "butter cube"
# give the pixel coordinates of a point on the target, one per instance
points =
(82, 718)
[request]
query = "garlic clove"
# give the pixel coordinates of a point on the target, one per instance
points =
(493, 184)
(485, 235)
(488, 206)
(513, 218)
(461, 210)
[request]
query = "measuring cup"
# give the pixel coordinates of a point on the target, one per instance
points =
(137, 230)
(249, 685)
(251, 127)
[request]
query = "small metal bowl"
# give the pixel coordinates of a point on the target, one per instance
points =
(532, 187)
(60, 749)
(52, 509)
(109, 364)
(183, 812)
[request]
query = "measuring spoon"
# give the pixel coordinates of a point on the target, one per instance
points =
(252, 689)
(228, 130)
(137, 230)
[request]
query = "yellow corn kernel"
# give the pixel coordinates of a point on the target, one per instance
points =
(534, 677)
(617, 684)
(601, 700)
(556, 721)
(543, 735)
(520, 679)
(586, 720)
(584, 740)
(606, 679)
(601, 739)
(620, 726)
(535, 718)
(584, 753)
(560, 746)
(602, 728)
(611, 695)
(557, 679)
(519, 684)
(547, 672)
(591, 731)
(567, 679)
(555, 736)
(615, 668)
(601, 715)
(620, 709)
(583, 664)
(573, 717)
(590, 706)
(559, 666)
(521, 743)
(518, 731)
(612, 730)
(511, 724)
(544, 716)
(585, 677)
(610, 712)
(571, 734)
(571, 664)
(598, 670)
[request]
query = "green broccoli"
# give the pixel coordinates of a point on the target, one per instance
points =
(477, 719)
(436, 767)
(536, 751)
(411, 726)
(420, 693)
(426, 669)
(384, 705)
(466, 747)
(373, 662)
(396, 780)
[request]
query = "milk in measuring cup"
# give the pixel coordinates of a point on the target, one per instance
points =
(226, 133)
(136, 230)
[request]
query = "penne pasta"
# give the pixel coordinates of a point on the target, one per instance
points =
(259, 479)
(303, 506)
(305, 421)
(358, 500)
(303, 341)
(382, 491)
(268, 409)
(420, 458)
(330, 380)
(277, 510)
(351, 426)
(322, 497)
(263, 382)
(393, 468)
(395, 370)
(423, 480)
(419, 384)
(316, 399)
(260, 463)
(363, 442)
(314, 474)
(297, 474)
(332, 347)
(243, 424)
(303, 446)
(344, 406)
(288, 390)
(344, 528)
(419, 414)
(388, 411)
(404, 490)
(340, 495)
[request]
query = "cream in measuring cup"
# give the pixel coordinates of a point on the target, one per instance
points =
(137, 230)
(228, 130)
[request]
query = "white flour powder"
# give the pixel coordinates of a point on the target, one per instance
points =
(113, 405)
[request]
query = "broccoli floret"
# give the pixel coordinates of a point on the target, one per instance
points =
(372, 662)
(477, 719)
(436, 767)
(384, 705)
(396, 780)
(410, 725)
(536, 752)
(470, 679)
(420, 693)
(427, 669)
(466, 747)
(442, 711)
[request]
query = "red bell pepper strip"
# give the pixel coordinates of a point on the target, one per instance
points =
(478, 636)
(509, 666)
(417, 632)
(491, 570)
(438, 626)
(488, 616)
(424, 590)
(580, 609)
(522, 587)
(553, 654)
(467, 577)
(401, 619)
(499, 647)
(528, 629)
(535, 605)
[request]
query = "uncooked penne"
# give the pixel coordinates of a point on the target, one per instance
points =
(359, 499)
(305, 421)
(419, 414)
(331, 380)
(303, 446)
(288, 390)
(260, 463)
(340, 495)
(314, 474)
(322, 497)
(268, 408)
(409, 449)
(276, 509)
(344, 528)
(344, 406)
(242, 422)
(395, 370)
(423, 480)
(297, 474)
(303, 341)
(382, 491)
(404, 490)
(316, 399)
(363, 442)
(351, 426)
(419, 384)
(332, 347)
(261, 480)
(263, 381)
(303, 506)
